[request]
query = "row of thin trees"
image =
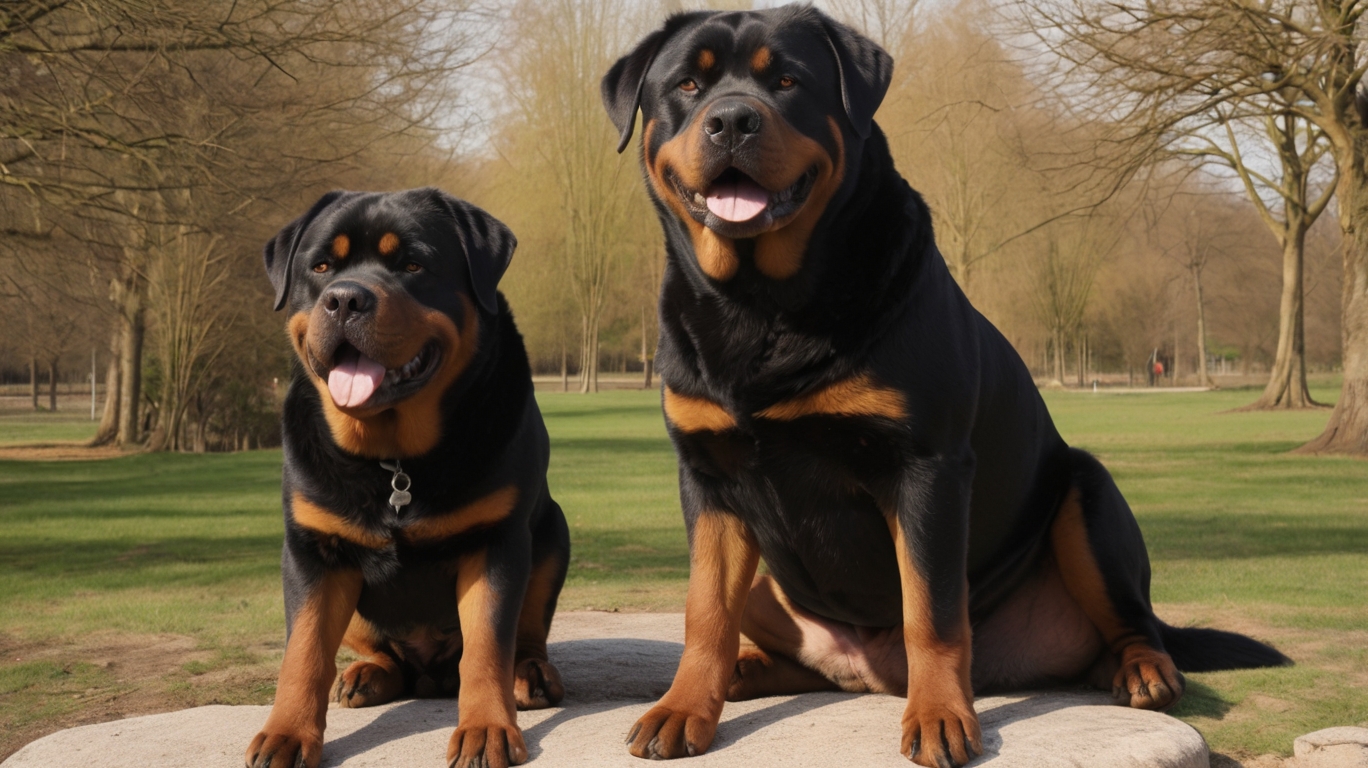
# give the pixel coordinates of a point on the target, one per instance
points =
(1106, 179)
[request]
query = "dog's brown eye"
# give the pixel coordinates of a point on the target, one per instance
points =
(786, 82)
(321, 267)
(688, 86)
(413, 267)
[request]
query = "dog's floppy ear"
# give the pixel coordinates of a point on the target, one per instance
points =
(488, 244)
(280, 250)
(621, 87)
(865, 69)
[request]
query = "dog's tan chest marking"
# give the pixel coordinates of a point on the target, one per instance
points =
(696, 414)
(309, 515)
(483, 512)
(854, 397)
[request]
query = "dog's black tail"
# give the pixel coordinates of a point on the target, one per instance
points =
(1207, 650)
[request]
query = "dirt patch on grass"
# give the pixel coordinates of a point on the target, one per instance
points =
(46, 687)
(59, 452)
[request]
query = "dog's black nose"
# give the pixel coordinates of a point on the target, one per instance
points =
(731, 122)
(344, 299)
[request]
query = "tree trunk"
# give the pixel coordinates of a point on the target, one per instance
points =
(132, 329)
(33, 381)
(1203, 377)
(565, 369)
(1347, 430)
(109, 420)
(1058, 372)
(1286, 387)
(52, 385)
(589, 364)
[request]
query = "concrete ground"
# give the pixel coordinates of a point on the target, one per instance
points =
(614, 666)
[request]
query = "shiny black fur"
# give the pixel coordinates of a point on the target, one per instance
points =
(976, 471)
(492, 436)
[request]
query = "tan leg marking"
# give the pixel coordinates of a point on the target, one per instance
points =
(1147, 677)
(856, 396)
(536, 681)
(373, 679)
(487, 733)
(294, 729)
(483, 512)
(723, 557)
(696, 414)
(940, 726)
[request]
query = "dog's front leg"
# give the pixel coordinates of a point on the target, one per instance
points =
(490, 585)
(723, 557)
(293, 734)
(930, 527)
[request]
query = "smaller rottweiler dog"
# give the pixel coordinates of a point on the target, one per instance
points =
(419, 531)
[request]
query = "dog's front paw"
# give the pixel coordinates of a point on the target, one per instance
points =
(666, 732)
(537, 684)
(282, 749)
(366, 684)
(1147, 679)
(486, 745)
(940, 736)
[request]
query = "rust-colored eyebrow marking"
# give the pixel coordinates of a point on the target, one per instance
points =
(760, 60)
(341, 246)
(389, 243)
(309, 515)
(696, 414)
(706, 59)
(856, 396)
(487, 510)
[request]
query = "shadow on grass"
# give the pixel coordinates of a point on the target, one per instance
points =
(1182, 536)
(122, 562)
(1201, 700)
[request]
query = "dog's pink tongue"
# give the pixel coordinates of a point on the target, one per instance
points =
(739, 200)
(355, 379)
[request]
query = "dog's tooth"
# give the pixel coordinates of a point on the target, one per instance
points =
(698, 198)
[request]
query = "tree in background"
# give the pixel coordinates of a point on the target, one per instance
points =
(581, 203)
(116, 113)
(1160, 64)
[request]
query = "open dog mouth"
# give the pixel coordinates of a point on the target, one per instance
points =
(736, 205)
(355, 380)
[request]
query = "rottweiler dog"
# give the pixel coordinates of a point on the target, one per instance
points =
(840, 410)
(419, 531)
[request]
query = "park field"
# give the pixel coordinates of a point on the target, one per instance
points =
(146, 582)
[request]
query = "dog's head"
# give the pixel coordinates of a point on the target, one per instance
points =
(752, 122)
(386, 293)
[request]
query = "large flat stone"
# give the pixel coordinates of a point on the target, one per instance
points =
(614, 666)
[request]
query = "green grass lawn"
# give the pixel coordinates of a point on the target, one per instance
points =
(150, 582)
(45, 427)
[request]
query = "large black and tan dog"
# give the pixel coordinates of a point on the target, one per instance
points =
(419, 531)
(840, 410)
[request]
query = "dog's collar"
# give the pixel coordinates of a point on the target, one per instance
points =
(400, 483)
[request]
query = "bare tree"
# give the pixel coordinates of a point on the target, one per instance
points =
(1063, 282)
(1163, 63)
(553, 76)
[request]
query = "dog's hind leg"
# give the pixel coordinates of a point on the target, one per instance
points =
(376, 677)
(1102, 559)
(773, 638)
